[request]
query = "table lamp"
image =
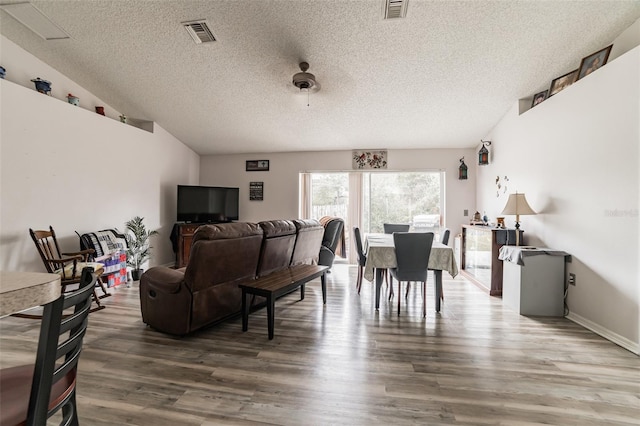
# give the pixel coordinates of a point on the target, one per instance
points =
(517, 205)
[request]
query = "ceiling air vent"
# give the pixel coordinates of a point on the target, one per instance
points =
(199, 31)
(395, 9)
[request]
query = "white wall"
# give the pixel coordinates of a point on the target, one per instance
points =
(576, 158)
(626, 41)
(281, 181)
(71, 168)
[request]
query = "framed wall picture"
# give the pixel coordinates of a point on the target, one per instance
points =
(257, 165)
(594, 61)
(539, 97)
(369, 159)
(256, 191)
(562, 82)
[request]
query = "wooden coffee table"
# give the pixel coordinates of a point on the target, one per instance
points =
(278, 284)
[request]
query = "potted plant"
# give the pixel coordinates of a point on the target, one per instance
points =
(138, 248)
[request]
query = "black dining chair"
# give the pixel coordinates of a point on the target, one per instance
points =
(390, 228)
(412, 257)
(444, 239)
(362, 261)
(30, 394)
(362, 257)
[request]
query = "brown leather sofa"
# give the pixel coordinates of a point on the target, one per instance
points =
(179, 301)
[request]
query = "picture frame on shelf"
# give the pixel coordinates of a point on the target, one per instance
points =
(594, 61)
(257, 165)
(562, 82)
(539, 97)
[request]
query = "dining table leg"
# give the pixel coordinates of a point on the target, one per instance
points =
(438, 276)
(378, 286)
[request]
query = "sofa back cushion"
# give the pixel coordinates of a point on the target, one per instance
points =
(223, 253)
(309, 238)
(277, 246)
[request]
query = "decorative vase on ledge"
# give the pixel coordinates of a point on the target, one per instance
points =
(2, 72)
(100, 110)
(42, 86)
(73, 100)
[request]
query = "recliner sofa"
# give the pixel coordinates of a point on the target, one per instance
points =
(180, 301)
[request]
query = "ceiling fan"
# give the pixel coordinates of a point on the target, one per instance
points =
(304, 81)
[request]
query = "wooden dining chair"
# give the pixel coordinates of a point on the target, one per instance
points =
(30, 394)
(412, 257)
(390, 228)
(68, 265)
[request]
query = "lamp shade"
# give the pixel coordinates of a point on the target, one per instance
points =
(517, 205)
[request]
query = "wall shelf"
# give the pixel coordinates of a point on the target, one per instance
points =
(145, 125)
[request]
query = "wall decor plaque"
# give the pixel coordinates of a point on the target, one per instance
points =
(369, 159)
(257, 165)
(256, 191)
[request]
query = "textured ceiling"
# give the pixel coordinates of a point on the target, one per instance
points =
(441, 77)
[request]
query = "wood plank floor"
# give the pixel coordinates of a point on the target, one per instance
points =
(475, 363)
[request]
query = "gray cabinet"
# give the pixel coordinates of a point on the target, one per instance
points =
(536, 287)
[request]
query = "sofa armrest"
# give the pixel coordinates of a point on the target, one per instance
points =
(163, 279)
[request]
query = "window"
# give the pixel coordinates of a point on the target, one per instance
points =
(329, 194)
(369, 199)
(402, 197)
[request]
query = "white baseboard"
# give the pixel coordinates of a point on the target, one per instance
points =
(607, 334)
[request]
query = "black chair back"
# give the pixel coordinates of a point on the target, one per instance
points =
(60, 337)
(332, 240)
(445, 236)
(362, 258)
(412, 255)
(390, 228)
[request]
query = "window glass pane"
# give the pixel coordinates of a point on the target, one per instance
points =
(330, 197)
(329, 194)
(407, 197)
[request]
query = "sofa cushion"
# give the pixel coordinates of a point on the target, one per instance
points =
(222, 231)
(276, 228)
(309, 238)
(222, 253)
(67, 272)
(277, 246)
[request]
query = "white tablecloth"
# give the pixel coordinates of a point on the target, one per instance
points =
(381, 253)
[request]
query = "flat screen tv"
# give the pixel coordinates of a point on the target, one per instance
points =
(203, 204)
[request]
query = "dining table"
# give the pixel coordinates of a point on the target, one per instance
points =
(381, 254)
(20, 291)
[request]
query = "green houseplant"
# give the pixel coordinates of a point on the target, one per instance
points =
(138, 245)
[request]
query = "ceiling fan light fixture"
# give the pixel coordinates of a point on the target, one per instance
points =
(304, 80)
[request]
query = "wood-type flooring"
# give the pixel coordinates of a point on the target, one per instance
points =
(475, 363)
